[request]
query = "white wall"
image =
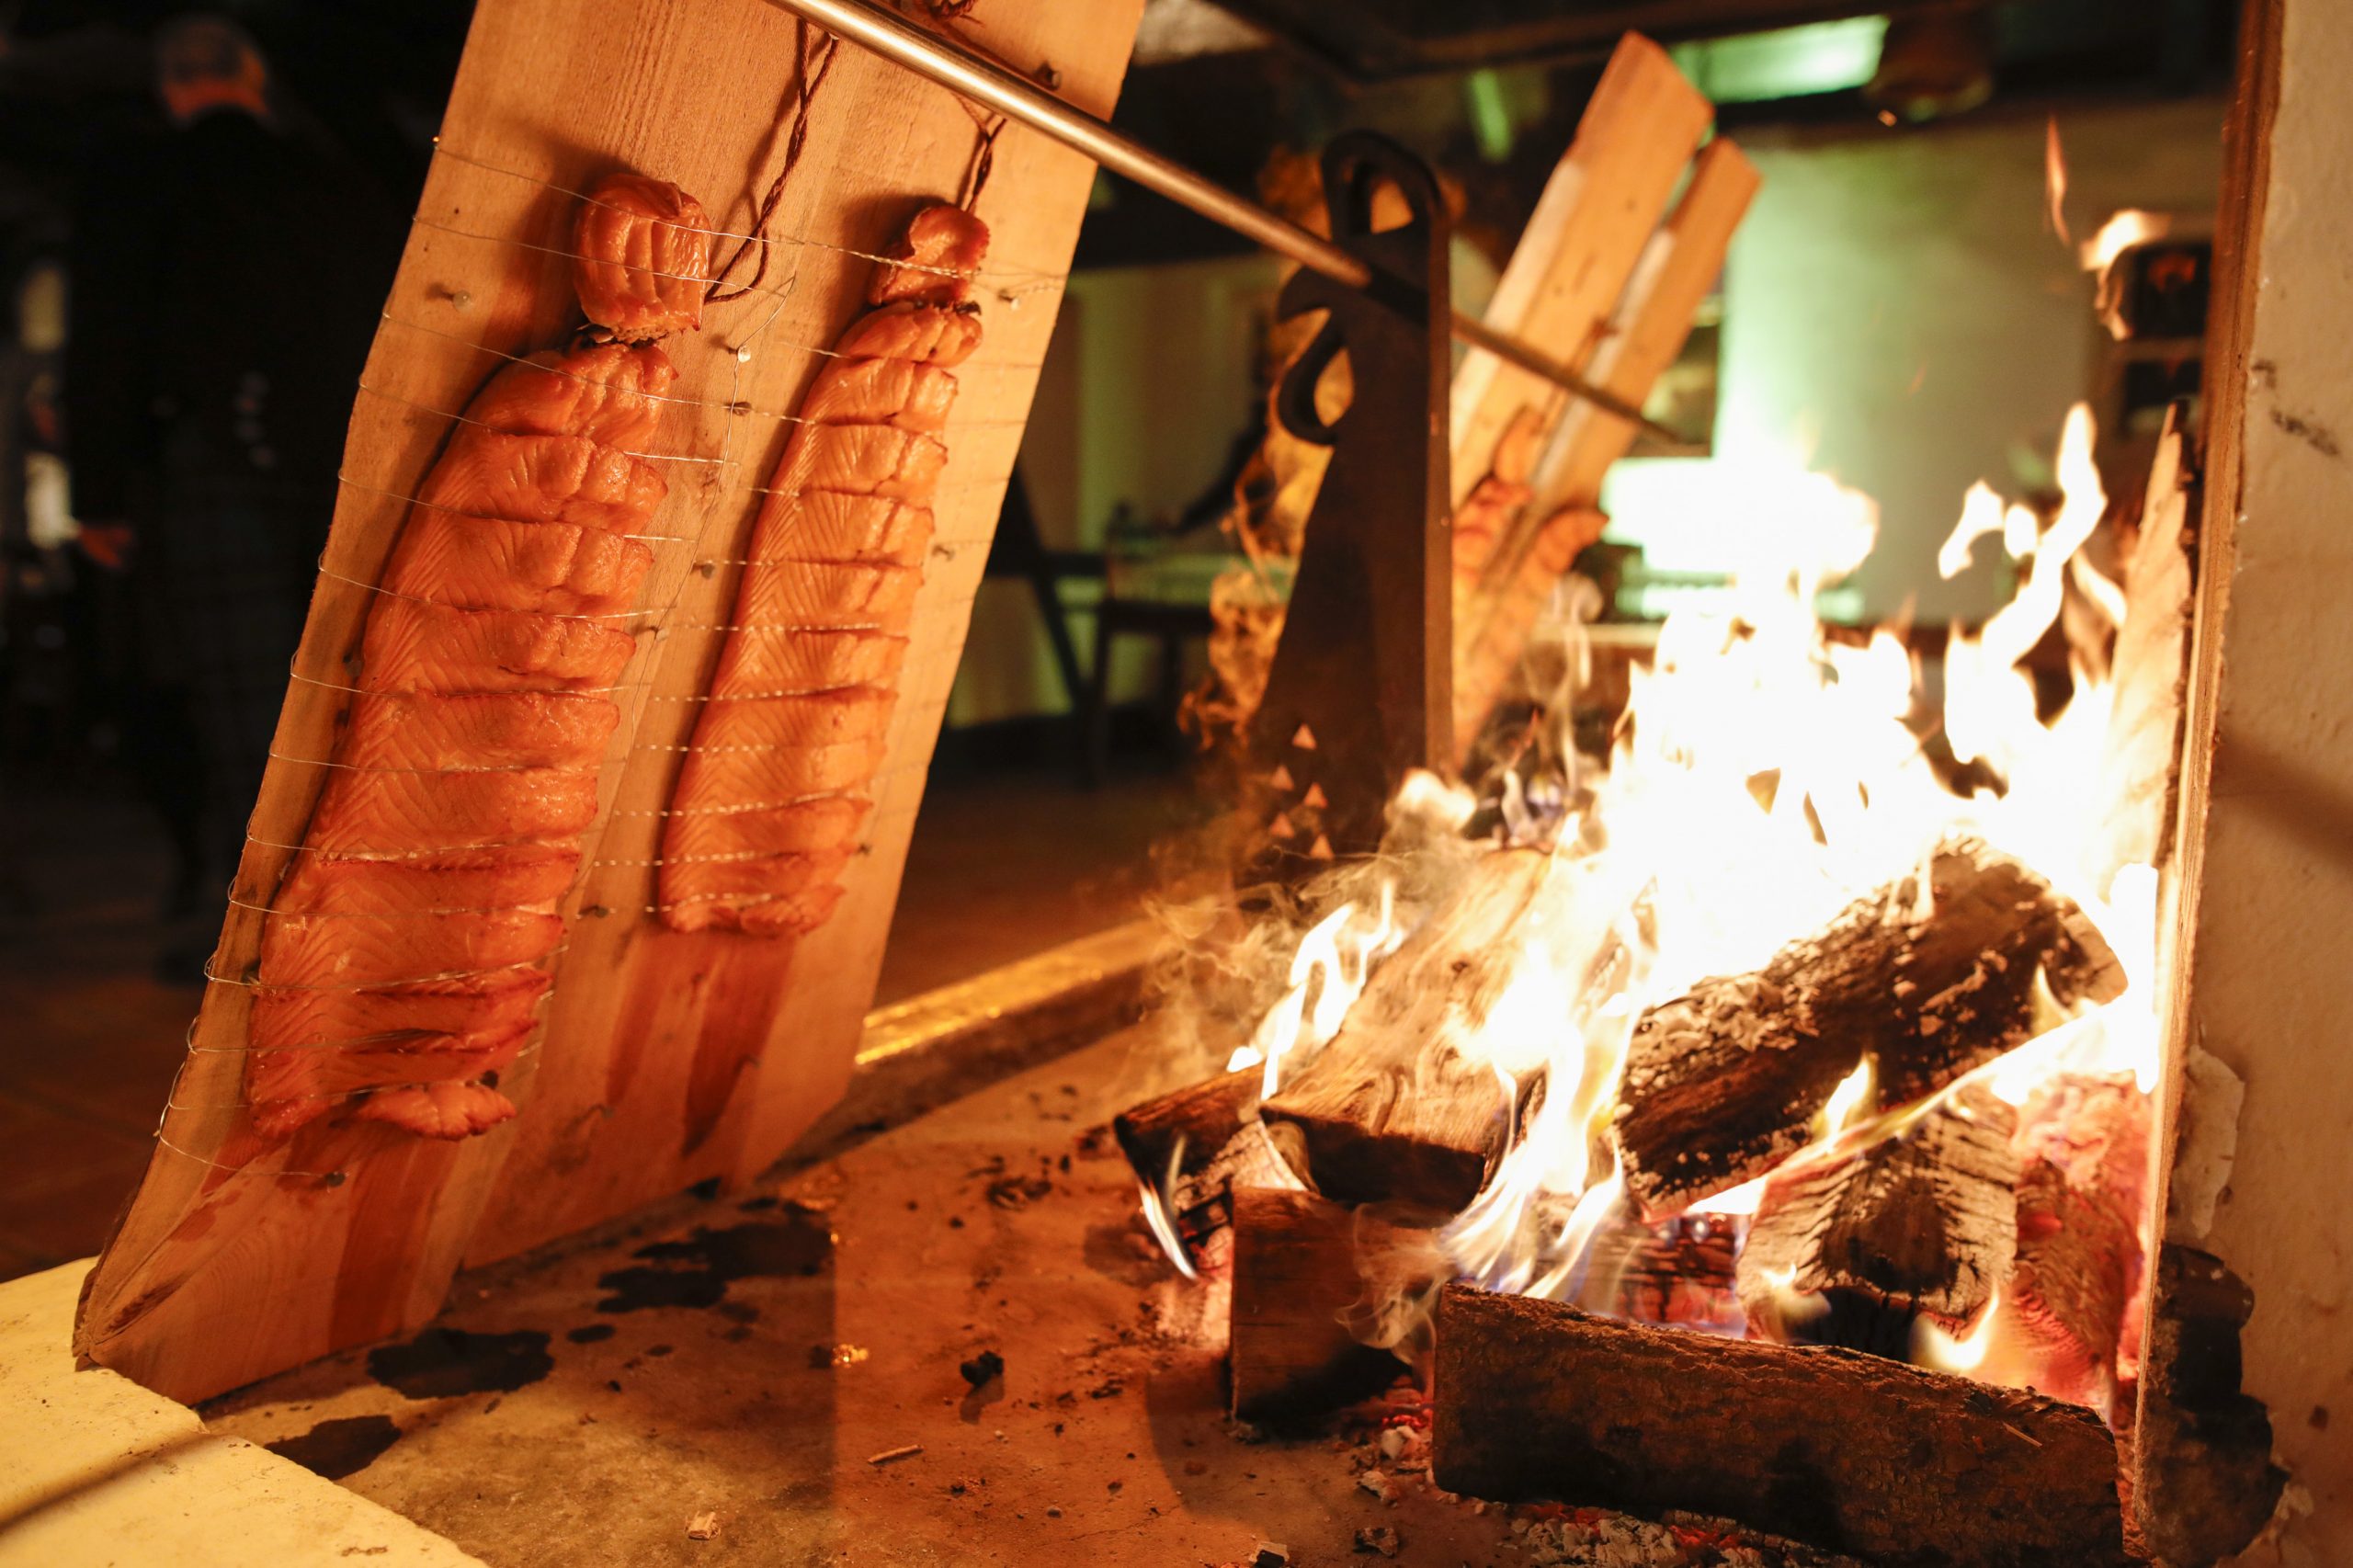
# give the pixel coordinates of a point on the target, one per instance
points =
(1148, 382)
(1898, 311)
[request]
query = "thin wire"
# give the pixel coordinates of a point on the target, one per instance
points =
(328, 571)
(731, 407)
(246, 1169)
(525, 435)
(435, 772)
(442, 150)
(736, 858)
(966, 487)
(355, 986)
(593, 691)
(525, 1055)
(548, 906)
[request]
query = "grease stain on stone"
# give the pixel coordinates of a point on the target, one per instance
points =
(697, 1270)
(344, 1446)
(442, 1362)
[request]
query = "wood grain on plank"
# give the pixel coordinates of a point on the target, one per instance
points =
(662, 1063)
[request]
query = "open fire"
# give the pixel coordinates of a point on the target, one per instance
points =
(1819, 1013)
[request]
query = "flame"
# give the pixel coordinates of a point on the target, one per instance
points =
(1157, 1219)
(1766, 774)
(1328, 970)
(1850, 1101)
(1932, 1346)
(2054, 180)
(1981, 514)
(2120, 233)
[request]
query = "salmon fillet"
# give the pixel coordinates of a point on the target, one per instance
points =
(431, 730)
(862, 529)
(472, 562)
(402, 962)
(767, 806)
(779, 775)
(608, 392)
(298, 1086)
(477, 1006)
(781, 895)
(814, 596)
(819, 719)
(862, 460)
(544, 478)
(390, 816)
(919, 395)
(770, 660)
(438, 1110)
(384, 950)
(641, 253)
(412, 646)
(911, 329)
(714, 834)
(511, 876)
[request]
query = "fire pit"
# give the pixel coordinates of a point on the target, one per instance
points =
(1799, 1056)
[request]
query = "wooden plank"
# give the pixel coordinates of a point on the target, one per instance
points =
(1492, 615)
(1392, 1109)
(1903, 1467)
(2141, 767)
(665, 1059)
(1319, 1290)
(1651, 324)
(1590, 227)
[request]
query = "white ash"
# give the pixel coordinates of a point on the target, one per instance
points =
(1621, 1541)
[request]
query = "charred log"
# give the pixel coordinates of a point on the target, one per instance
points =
(1722, 1084)
(1193, 1147)
(1678, 1271)
(1907, 1468)
(2204, 1482)
(2075, 1297)
(1921, 1223)
(1390, 1110)
(1319, 1292)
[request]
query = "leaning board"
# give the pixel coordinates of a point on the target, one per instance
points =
(665, 1059)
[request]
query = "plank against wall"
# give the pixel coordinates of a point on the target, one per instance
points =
(665, 1059)
(2260, 990)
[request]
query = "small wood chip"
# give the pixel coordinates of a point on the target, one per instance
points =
(891, 1456)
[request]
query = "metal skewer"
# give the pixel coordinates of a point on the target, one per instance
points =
(988, 84)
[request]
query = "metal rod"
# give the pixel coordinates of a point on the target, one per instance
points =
(991, 84)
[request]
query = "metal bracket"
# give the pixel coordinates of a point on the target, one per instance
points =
(1361, 687)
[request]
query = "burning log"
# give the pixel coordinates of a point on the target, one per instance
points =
(1391, 1108)
(1720, 1084)
(1678, 1271)
(1319, 1290)
(1193, 1147)
(1907, 1468)
(2075, 1295)
(1923, 1221)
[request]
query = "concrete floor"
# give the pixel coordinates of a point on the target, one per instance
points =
(753, 1359)
(1002, 867)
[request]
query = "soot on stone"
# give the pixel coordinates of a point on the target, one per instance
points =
(342, 1446)
(442, 1362)
(697, 1270)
